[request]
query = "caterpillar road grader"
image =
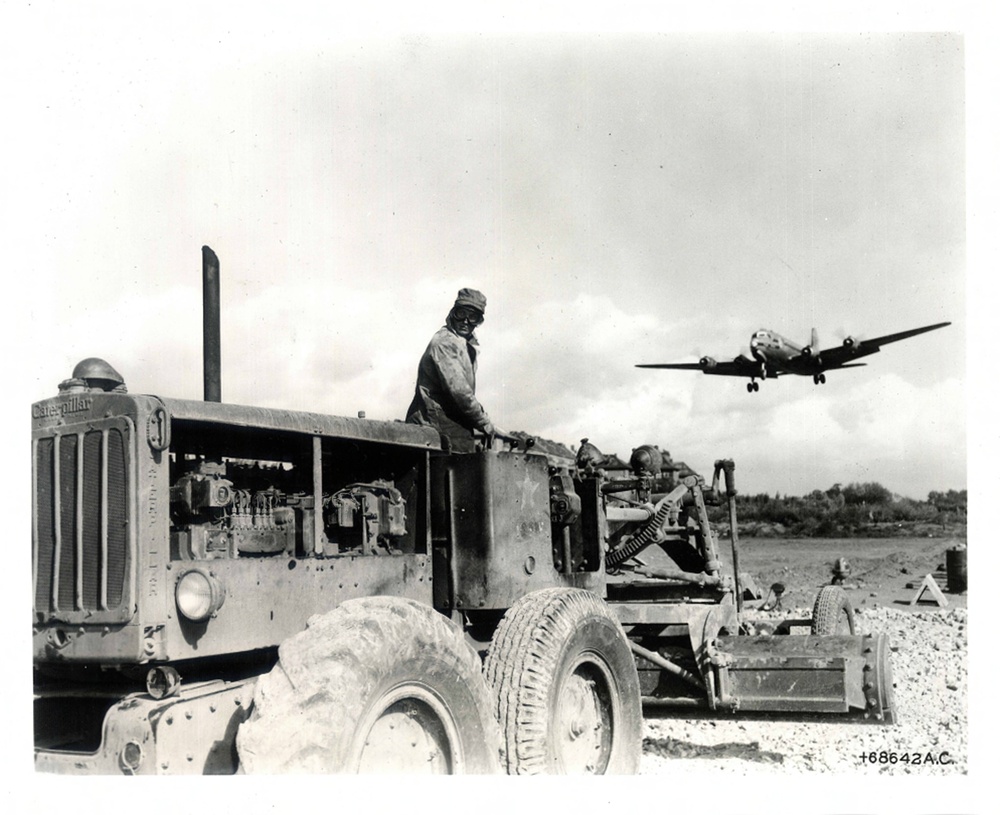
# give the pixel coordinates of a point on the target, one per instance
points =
(220, 588)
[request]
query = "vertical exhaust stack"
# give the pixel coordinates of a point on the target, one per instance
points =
(211, 344)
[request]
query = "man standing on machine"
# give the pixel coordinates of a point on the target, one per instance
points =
(445, 393)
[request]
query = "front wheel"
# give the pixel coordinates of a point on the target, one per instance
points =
(380, 684)
(566, 686)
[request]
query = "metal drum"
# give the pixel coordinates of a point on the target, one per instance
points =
(958, 573)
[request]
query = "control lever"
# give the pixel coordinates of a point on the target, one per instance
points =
(528, 442)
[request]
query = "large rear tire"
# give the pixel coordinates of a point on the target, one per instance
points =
(566, 686)
(832, 612)
(380, 684)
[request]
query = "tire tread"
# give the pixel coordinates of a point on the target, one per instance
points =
(830, 602)
(522, 663)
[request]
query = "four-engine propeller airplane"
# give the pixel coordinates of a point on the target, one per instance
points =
(775, 356)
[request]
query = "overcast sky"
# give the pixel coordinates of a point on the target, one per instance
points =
(619, 198)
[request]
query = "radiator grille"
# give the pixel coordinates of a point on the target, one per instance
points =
(80, 535)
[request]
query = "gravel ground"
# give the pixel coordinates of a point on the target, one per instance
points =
(930, 672)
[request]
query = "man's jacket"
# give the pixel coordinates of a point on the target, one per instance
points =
(445, 395)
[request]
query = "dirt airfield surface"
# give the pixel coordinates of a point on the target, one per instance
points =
(929, 656)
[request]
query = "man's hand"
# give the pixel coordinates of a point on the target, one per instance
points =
(492, 432)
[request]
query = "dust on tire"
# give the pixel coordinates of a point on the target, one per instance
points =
(355, 671)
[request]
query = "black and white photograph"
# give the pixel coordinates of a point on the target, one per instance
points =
(428, 392)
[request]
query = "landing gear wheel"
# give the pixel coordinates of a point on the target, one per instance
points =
(566, 686)
(832, 612)
(380, 684)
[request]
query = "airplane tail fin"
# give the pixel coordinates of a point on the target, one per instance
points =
(814, 341)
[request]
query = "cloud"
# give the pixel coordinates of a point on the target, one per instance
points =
(619, 199)
(559, 368)
(911, 439)
(574, 378)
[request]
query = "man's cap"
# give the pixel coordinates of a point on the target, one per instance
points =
(471, 298)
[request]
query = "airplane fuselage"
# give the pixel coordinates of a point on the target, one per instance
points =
(780, 354)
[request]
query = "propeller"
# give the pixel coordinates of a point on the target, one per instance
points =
(847, 339)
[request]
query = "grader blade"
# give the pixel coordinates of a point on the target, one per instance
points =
(807, 674)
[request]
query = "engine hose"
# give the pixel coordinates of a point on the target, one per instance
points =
(641, 539)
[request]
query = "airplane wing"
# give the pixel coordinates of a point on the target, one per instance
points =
(840, 355)
(740, 366)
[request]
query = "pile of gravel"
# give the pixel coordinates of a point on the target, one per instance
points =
(929, 664)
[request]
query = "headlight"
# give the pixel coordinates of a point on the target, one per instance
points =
(198, 595)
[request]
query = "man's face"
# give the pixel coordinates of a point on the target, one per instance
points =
(464, 320)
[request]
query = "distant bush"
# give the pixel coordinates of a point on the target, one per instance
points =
(866, 494)
(857, 510)
(951, 501)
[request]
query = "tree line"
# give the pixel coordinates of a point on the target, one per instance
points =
(854, 510)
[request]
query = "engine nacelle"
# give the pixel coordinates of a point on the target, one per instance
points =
(707, 362)
(850, 342)
(807, 351)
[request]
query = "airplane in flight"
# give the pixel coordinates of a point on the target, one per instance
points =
(775, 356)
